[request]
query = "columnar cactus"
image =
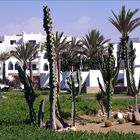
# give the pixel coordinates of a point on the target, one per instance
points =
(28, 93)
(109, 73)
(124, 45)
(79, 81)
(41, 113)
(74, 92)
(47, 24)
(131, 69)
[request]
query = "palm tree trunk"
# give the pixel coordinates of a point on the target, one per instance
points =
(31, 71)
(136, 103)
(25, 67)
(3, 73)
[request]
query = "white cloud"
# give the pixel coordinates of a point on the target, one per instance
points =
(34, 24)
(81, 22)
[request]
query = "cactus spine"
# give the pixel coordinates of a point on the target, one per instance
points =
(52, 63)
(75, 91)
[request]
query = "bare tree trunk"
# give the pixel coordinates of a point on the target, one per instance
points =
(136, 103)
(31, 71)
(3, 73)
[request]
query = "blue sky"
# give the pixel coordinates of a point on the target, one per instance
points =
(74, 18)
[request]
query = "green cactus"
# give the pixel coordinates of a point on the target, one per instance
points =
(124, 46)
(28, 93)
(75, 91)
(109, 73)
(131, 69)
(41, 113)
(79, 81)
(47, 24)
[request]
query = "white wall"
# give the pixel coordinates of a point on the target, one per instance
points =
(93, 75)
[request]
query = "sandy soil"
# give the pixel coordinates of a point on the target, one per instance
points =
(93, 127)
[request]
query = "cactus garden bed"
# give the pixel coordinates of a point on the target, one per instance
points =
(14, 123)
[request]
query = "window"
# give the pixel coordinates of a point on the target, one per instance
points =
(10, 66)
(45, 56)
(45, 68)
(32, 42)
(16, 65)
(34, 67)
(12, 42)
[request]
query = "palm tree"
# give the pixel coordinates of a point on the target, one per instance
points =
(92, 44)
(26, 53)
(125, 24)
(3, 57)
(72, 51)
(60, 43)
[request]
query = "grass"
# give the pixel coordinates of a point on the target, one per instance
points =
(14, 123)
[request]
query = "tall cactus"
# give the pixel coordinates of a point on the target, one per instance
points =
(75, 91)
(41, 113)
(47, 24)
(131, 70)
(109, 73)
(28, 93)
(124, 45)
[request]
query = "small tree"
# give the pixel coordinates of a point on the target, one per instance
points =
(3, 58)
(27, 53)
(75, 91)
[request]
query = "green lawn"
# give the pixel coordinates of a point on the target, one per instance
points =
(14, 123)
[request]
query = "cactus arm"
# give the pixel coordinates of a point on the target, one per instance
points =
(79, 80)
(100, 86)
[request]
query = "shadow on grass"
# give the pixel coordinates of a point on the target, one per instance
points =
(6, 122)
(66, 115)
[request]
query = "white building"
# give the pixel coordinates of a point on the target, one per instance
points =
(40, 65)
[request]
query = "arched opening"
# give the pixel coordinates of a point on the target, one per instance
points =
(16, 65)
(45, 55)
(10, 66)
(45, 68)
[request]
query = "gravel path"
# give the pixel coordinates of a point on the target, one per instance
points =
(93, 127)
